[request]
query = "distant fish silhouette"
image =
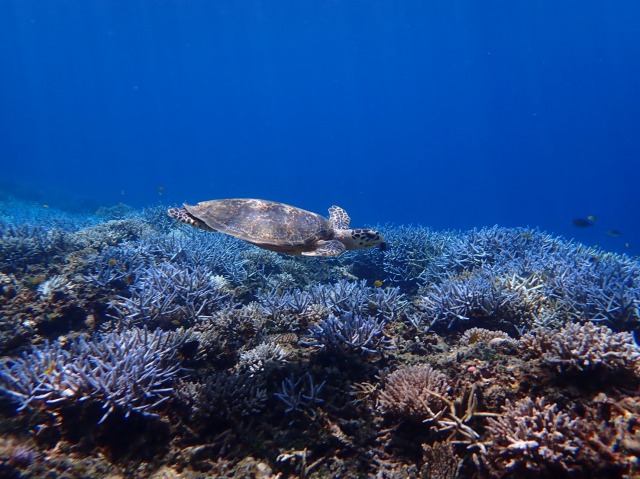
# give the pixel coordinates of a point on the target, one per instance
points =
(614, 233)
(583, 222)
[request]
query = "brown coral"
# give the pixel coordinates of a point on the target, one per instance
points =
(585, 347)
(533, 436)
(409, 392)
(484, 336)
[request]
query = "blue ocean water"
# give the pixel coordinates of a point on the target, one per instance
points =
(454, 114)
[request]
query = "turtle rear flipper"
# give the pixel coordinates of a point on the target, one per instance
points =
(182, 215)
(327, 248)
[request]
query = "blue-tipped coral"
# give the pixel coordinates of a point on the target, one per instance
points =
(466, 299)
(25, 244)
(132, 370)
(583, 348)
(349, 333)
(301, 394)
(171, 294)
(537, 437)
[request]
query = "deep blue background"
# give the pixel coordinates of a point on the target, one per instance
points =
(452, 114)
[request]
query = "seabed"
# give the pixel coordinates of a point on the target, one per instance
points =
(135, 347)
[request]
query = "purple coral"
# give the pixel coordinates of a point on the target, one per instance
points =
(170, 293)
(586, 348)
(534, 436)
(300, 394)
(340, 298)
(466, 298)
(349, 333)
(132, 370)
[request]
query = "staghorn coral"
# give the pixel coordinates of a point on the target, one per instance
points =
(132, 370)
(353, 297)
(550, 280)
(596, 286)
(300, 394)
(537, 437)
(256, 359)
(466, 299)
(222, 254)
(53, 285)
(349, 333)
(224, 395)
(239, 349)
(25, 244)
(583, 348)
(410, 258)
(408, 393)
(170, 293)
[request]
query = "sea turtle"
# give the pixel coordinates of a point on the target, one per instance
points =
(279, 227)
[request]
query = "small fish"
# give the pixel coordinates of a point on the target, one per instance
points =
(628, 245)
(377, 283)
(614, 233)
(582, 222)
(46, 207)
(591, 218)
(37, 280)
(161, 190)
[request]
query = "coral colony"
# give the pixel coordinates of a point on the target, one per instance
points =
(133, 346)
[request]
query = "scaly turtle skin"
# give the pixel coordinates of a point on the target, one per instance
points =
(279, 227)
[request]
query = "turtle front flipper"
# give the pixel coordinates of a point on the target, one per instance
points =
(339, 218)
(182, 215)
(327, 248)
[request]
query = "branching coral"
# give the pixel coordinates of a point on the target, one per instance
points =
(224, 395)
(171, 293)
(467, 298)
(586, 347)
(300, 394)
(132, 370)
(25, 244)
(349, 333)
(222, 254)
(534, 436)
(596, 286)
(408, 393)
(342, 297)
(411, 254)
(256, 359)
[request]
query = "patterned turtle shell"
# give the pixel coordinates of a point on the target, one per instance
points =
(262, 222)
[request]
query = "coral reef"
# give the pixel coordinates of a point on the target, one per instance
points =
(132, 370)
(409, 393)
(585, 348)
(536, 437)
(349, 333)
(183, 353)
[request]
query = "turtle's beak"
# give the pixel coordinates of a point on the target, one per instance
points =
(383, 246)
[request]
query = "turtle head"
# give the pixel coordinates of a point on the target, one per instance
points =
(363, 238)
